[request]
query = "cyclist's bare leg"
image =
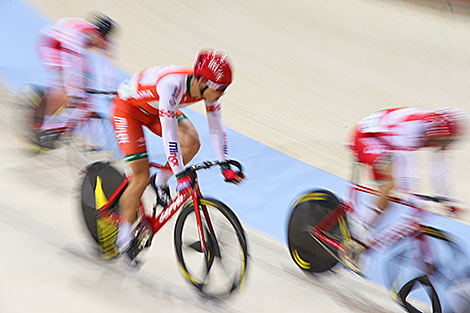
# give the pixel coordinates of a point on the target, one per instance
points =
(55, 98)
(353, 248)
(385, 187)
(130, 199)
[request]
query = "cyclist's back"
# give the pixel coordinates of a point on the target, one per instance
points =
(70, 33)
(399, 128)
(385, 141)
(144, 89)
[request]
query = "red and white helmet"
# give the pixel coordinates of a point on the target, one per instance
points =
(445, 123)
(214, 66)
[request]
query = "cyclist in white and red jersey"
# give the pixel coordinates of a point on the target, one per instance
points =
(385, 141)
(404, 130)
(61, 49)
(152, 98)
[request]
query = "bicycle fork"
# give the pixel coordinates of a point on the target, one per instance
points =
(200, 228)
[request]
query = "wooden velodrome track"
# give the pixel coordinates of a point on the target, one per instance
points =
(305, 72)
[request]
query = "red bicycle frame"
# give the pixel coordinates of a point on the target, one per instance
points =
(166, 214)
(389, 236)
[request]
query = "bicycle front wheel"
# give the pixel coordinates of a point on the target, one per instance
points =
(222, 269)
(435, 261)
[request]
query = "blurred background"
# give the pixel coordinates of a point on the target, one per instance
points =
(304, 73)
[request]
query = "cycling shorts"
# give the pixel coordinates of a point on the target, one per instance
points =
(371, 150)
(128, 120)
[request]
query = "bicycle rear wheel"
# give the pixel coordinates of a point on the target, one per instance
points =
(100, 181)
(310, 255)
(223, 270)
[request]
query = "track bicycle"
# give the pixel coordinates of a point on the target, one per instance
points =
(319, 237)
(208, 237)
(89, 138)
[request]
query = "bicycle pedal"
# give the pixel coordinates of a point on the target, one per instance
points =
(143, 235)
(131, 253)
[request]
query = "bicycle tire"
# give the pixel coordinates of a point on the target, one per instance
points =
(218, 212)
(101, 180)
(307, 253)
(397, 265)
(406, 289)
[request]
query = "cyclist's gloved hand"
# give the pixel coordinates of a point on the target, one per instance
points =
(185, 182)
(230, 175)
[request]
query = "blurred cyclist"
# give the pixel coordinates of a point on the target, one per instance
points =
(386, 139)
(152, 98)
(61, 49)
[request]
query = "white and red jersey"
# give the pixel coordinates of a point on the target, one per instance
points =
(70, 34)
(400, 128)
(160, 91)
(61, 49)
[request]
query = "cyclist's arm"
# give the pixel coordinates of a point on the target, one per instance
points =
(73, 76)
(168, 102)
(216, 130)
